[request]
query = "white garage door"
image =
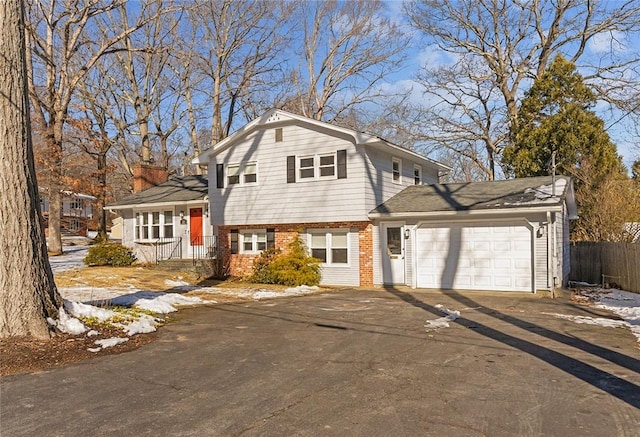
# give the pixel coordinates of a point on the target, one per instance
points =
(474, 257)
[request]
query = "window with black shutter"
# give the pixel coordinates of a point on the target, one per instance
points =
(234, 241)
(291, 169)
(219, 175)
(271, 238)
(342, 164)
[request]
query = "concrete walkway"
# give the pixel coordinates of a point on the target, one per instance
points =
(349, 363)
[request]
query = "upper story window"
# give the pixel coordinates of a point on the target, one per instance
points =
(307, 168)
(75, 203)
(154, 224)
(317, 166)
(417, 174)
(321, 166)
(396, 170)
(242, 174)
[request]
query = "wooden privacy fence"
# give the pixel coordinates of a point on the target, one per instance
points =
(618, 262)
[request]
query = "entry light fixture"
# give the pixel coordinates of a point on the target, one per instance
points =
(407, 233)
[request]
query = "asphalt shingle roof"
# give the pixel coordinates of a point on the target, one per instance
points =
(176, 189)
(512, 193)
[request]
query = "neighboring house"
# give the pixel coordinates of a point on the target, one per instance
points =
(508, 235)
(166, 219)
(351, 198)
(77, 210)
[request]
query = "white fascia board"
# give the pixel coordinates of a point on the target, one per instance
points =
(155, 205)
(468, 213)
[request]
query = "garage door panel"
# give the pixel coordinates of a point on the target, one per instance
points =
(482, 263)
(501, 246)
(485, 257)
(503, 281)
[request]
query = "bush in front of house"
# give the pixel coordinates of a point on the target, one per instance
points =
(109, 254)
(262, 271)
(294, 267)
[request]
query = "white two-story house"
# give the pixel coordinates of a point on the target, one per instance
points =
(285, 176)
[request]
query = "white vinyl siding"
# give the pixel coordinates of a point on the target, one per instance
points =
(273, 200)
(378, 180)
(541, 261)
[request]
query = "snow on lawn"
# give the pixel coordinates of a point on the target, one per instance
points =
(72, 258)
(442, 322)
(96, 303)
(260, 293)
(624, 304)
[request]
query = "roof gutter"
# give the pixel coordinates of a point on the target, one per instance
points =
(466, 213)
(156, 205)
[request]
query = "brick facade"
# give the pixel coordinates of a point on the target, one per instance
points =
(241, 264)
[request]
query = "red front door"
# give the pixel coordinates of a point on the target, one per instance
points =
(195, 226)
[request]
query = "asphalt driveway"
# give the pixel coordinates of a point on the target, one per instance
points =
(349, 363)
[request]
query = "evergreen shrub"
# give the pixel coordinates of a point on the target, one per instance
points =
(109, 254)
(292, 268)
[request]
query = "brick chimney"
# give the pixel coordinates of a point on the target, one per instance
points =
(147, 176)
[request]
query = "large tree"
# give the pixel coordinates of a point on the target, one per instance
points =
(236, 54)
(557, 126)
(556, 117)
(63, 46)
(485, 52)
(28, 294)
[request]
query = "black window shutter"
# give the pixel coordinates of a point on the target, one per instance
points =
(220, 175)
(234, 241)
(291, 169)
(342, 164)
(271, 238)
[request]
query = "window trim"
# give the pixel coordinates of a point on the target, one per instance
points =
(317, 158)
(255, 235)
(149, 224)
(418, 176)
(394, 161)
(241, 174)
(328, 233)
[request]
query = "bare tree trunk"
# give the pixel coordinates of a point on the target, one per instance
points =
(28, 294)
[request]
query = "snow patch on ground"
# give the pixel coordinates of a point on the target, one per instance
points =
(260, 293)
(67, 324)
(442, 322)
(107, 342)
(624, 304)
(598, 321)
(72, 258)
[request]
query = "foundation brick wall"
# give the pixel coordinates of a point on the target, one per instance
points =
(241, 265)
